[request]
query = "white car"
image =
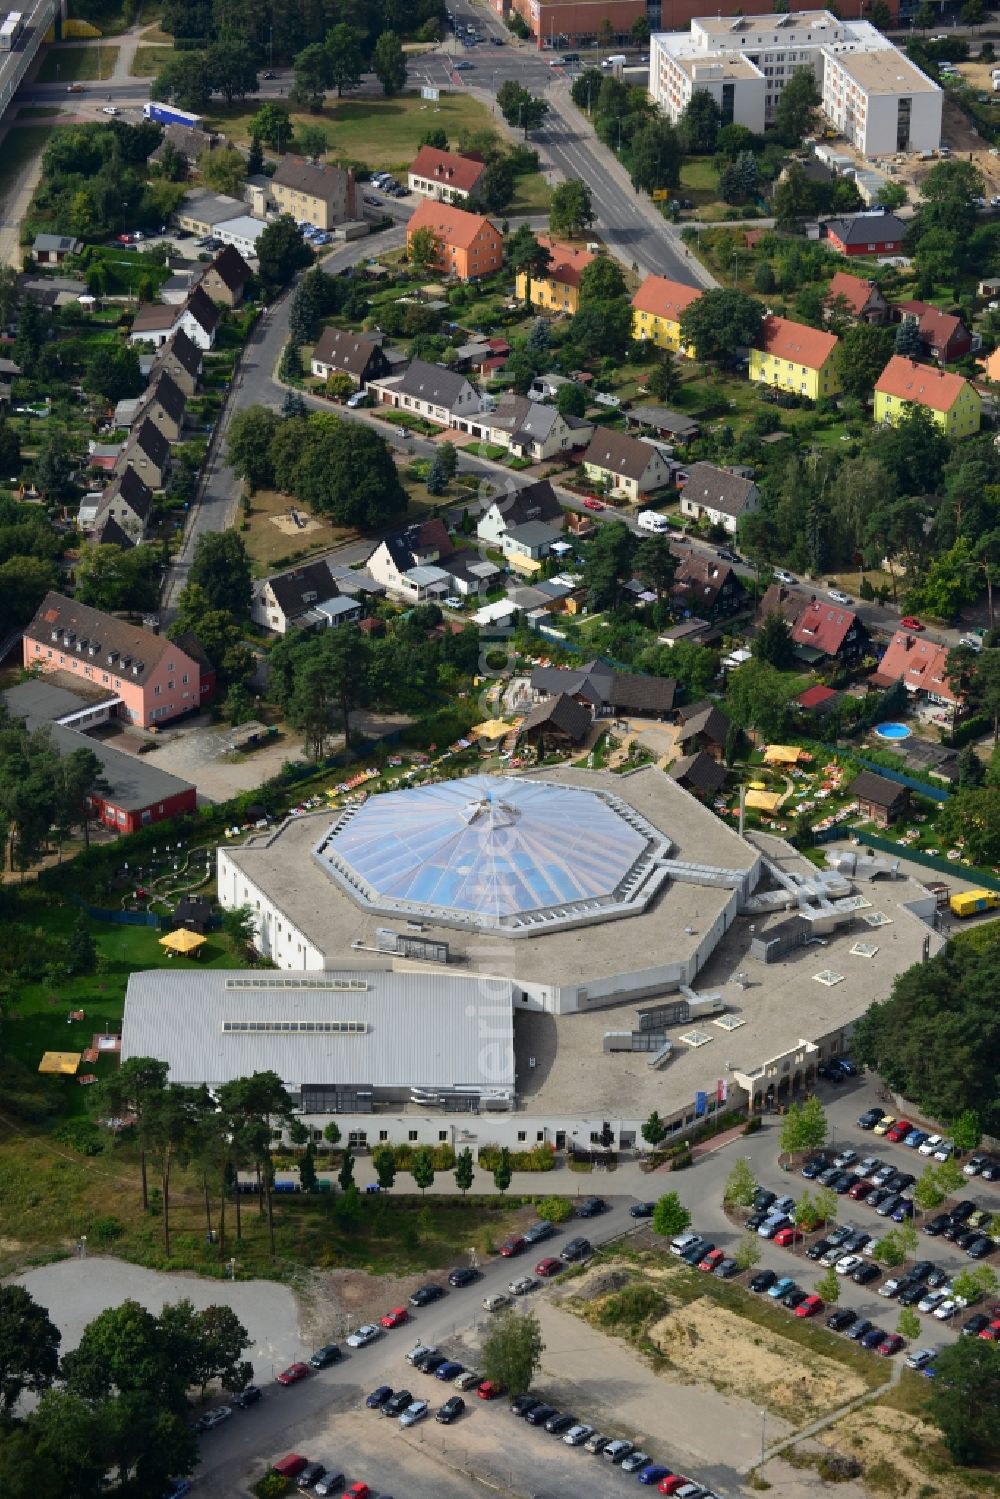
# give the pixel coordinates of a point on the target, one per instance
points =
(945, 1151)
(832, 1256)
(521, 1287)
(932, 1300)
(930, 1145)
(215, 1417)
(109, 109)
(577, 1435)
(413, 1413)
(948, 1308)
(919, 1357)
(364, 1335)
(784, 577)
(839, 597)
(866, 1166)
(848, 1263)
(891, 1286)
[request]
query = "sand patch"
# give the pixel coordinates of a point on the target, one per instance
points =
(900, 1452)
(289, 526)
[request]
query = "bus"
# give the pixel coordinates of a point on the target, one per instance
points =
(11, 30)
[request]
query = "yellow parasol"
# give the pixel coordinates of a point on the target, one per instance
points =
(182, 941)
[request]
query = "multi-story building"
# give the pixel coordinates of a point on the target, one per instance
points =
(556, 23)
(469, 245)
(953, 403)
(556, 289)
(656, 312)
(449, 176)
(322, 195)
(795, 358)
(881, 101)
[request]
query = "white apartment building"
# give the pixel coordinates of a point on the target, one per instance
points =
(744, 62)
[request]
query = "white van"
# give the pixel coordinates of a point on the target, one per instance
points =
(683, 1241)
(616, 60)
(652, 520)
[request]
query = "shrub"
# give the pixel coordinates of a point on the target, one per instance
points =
(632, 1306)
(838, 1469)
(682, 1160)
(80, 1134)
(105, 1231)
(555, 1209)
(271, 1486)
(442, 1156)
(542, 1158)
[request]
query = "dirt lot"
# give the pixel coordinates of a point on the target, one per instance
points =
(274, 540)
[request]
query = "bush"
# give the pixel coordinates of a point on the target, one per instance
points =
(104, 1231)
(271, 1486)
(633, 1306)
(838, 1469)
(542, 1158)
(555, 1209)
(442, 1156)
(753, 1125)
(80, 1134)
(682, 1160)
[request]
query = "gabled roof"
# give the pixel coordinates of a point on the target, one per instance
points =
(537, 501)
(818, 699)
(303, 587)
(453, 226)
(136, 651)
(182, 348)
(663, 298)
(937, 328)
(796, 342)
(562, 713)
(62, 244)
(201, 307)
(429, 535)
(168, 393)
(150, 441)
(153, 317)
(701, 578)
(788, 602)
(315, 180)
(619, 454)
(348, 351)
(699, 772)
(704, 718)
(432, 382)
(568, 262)
(824, 626)
(867, 229)
(231, 268)
(855, 291)
(909, 381)
(603, 687)
(135, 493)
(450, 168)
(921, 665)
(869, 787)
(718, 489)
(108, 532)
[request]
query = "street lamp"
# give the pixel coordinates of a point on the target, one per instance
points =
(763, 1429)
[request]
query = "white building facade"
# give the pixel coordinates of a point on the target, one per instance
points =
(881, 102)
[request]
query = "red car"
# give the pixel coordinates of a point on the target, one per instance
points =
(899, 1131)
(890, 1345)
(786, 1237)
(713, 1258)
(910, 622)
(593, 503)
(356, 1491)
(396, 1317)
(671, 1483)
(488, 1390)
(293, 1374)
(549, 1266)
(291, 1465)
(512, 1246)
(811, 1307)
(991, 1334)
(860, 1190)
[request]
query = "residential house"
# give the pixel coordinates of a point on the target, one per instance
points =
(153, 323)
(188, 142)
(703, 726)
(820, 629)
(793, 357)
(557, 288)
(530, 429)
(954, 404)
(819, 701)
(157, 679)
(430, 391)
(536, 502)
(448, 176)
(662, 422)
(52, 249)
(226, 278)
(527, 545)
(303, 598)
(128, 502)
(875, 233)
(879, 799)
(718, 496)
(944, 336)
(556, 723)
(470, 573)
(408, 562)
(163, 404)
(202, 211)
(656, 312)
(705, 585)
(199, 318)
(921, 665)
(857, 298)
(181, 359)
(108, 533)
(470, 245)
(156, 322)
(178, 287)
(148, 452)
(606, 692)
(627, 466)
(339, 352)
(699, 773)
(314, 193)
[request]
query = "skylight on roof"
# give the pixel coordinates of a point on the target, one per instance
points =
(729, 1022)
(877, 918)
(696, 1038)
(828, 978)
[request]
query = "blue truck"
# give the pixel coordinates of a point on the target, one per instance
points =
(167, 114)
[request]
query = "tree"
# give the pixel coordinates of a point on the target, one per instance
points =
(435, 137)
(804, 1126)
(220, 566)
(331, 1132)
(796, 107)
(828, 1286)
(862, 354)
(272, 125)
(435, 479)
(495, 188)
(111, 372)
(255, 157)
(511, 1351)
(53, 469)
(422, 1169)
(670, 1216)
(520, 108)
(720, 323)
(967, 1130)
(655, 564)
(448, 454)
(907, 340)
(571, 400)
(653, 1130)
(601, 281)
(927, 1191)
(232, 69)
(748, 1251)
(346, 64)
(503, 1173)
(793, 198)
(973, 818)
(424, 248)
(313, 75)
(385, 1167)
(571, 209)
(465, 1171)
(184, 80)
(741, 1185)
(281, 251)
(608, 564)
(389, 64)
(964, 1399)
(347, 472)
(889, 1251)
(891, 195)
(758, 697)
(312, 141)
(248, 442)
(345, 1176)
(82, 949)
(656, 156)
(698, 126)
(586, 88)
(29, 1348)
(664, 379)
(133, 1091)
(826, 1204)
(223, 170)
(527, 257)
(773, 642)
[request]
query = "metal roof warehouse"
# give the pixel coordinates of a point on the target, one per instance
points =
(348, 1039)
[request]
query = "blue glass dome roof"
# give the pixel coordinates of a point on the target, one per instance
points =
(489, 851)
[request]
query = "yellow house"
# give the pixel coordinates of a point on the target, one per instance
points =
(954, 404)
(556, 290)
(795, 358)
(656, 312)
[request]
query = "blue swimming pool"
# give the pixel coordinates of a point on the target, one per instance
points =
(892, 731)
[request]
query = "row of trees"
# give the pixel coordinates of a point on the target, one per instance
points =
(117, 1404)
(42, 792)
(273, 33)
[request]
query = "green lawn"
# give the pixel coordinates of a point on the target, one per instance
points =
(532, 194)
(378, 132)
(37, 111)
(148, 61)
(65, 63)
(20, 145)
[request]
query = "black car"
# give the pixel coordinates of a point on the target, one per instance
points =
(865, 1274)
(696, 1253)
(843, 1183)
(936, 1279)
(829, 1074)
(991, 1171)
(763, 1199)
(558, 1424)
(763, 1281)
(424, 1295)
(974, 1326)
(247, 1397)
(539, 1414)
(378, 1397)
(325, 1356)
(814, 1166)
(576, 1249)
(396, 1404)
(962, 1210)
(642, 1209)
(847, 1067)
(901, 1181)
(920, 1270)
(429, 1363)
(539, 1231)
(841, 1320)
(870, 1118)
(856, 1241)
(590, 1207)
(464, 1275)
(522, 1404)
(857, 1330)
(817, 1250)
(878, 1196)
(910, 1295)
(935, 1226)
(967, 1238)
(983, 1246)
(756, 1219)
(450, 1411)
(794, 1298)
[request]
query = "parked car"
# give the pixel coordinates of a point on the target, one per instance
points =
(559, 1424)
(450, 1411)
(891, 1344)
(785, 1238)
(486, 1389)
(576, 1249)
(495, 1303)
(872, 1338)
(378, 1397)
(215, 1417)
(396, 1404)
(424, 1295)
(919, 1357)
(590, 1207)
(617, 1450)
(538, 1232)
(859, 1329)
(294, 1373)
(449, 1371)
(332, 1482)
(860, 1190)
(363, 1335)
(865, 1274)
(870, 1118)
(811, 1307)
(816, 1251)
(522, 1285)
(762, 1281)
(414, 1412)
(549, 1266)
(711, 1260)
(910, 622)
(248, 1396)
(841, 1319)
(781, 1287)
(396, 1317)
(464, 1275)
(898, 1131)
(642, 1209)
(578, 1434)
(514, 1245)
(928, 1145)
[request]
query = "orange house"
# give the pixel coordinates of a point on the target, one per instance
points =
(470, 245)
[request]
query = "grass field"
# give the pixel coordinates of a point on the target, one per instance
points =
(19, 147)
(148, 61)
(65, 63)
(378, 132)
(37, 111)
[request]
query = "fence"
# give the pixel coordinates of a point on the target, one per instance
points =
(120, 918)
(935, 793)
(962, 871)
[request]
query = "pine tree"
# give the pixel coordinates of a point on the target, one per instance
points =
(82, 950)
(385, 1167)
(538, 338)
(293, 404)
(307, 1169)
(436, 480)
(908, 340)
(346, 1176)
(255, 157)
(464, 1171)
(290, 367)
(503, 1172)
